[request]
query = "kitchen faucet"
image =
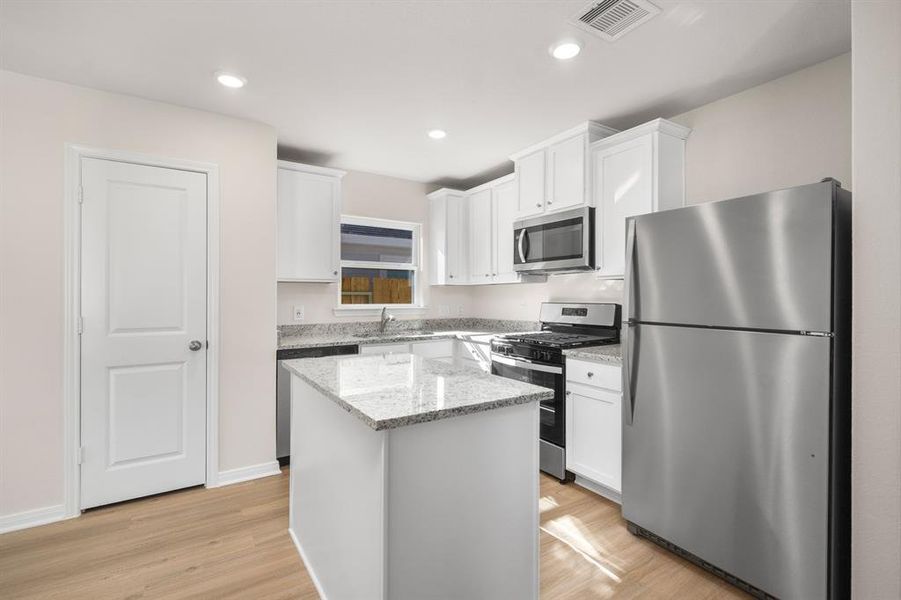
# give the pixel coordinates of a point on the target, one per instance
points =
(386, 318)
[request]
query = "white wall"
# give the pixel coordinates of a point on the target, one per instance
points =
(789, 131)
(876, 374)
(37, 118)
(369, 195)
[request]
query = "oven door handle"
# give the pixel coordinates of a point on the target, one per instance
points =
(526, 364)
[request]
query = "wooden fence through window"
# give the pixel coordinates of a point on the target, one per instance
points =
(376, 290)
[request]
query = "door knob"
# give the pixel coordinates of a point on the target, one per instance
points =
(195, 345)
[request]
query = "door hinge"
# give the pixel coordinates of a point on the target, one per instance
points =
(80, 195)
(817, 333)
(81, 455)
(80, 325)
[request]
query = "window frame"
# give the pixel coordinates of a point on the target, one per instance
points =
(415, 266)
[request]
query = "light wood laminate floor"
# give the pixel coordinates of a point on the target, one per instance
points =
(232, 542)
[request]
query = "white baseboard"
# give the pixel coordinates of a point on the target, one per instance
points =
(33, 518)
(306, 564)
(247, 473)
(600, 490)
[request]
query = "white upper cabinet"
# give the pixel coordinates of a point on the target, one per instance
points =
(566, 174)
(471, 235)
(554, 174)
(492, 209)
(309, 220)
(635, 172)
(457, 239)
(448, 237)
(503, 206)
(530, 178)
(481, 236)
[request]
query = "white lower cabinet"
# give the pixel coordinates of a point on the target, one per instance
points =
(384, 348)
(594, 423)
(442, 350)
(474, 351)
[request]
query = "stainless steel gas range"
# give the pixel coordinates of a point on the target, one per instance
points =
(537, 358)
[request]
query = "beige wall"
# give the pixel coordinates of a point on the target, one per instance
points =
(789, 131)
(37, 118)
(876, 374)
(369, 195)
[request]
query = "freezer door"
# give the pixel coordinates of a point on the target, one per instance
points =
(759, 262)
(727, 452)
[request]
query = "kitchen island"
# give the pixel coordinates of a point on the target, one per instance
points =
(412, 478)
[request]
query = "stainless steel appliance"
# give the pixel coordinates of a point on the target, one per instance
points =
(283, 392)
(736, 388)
(537, 358)
(556, 243)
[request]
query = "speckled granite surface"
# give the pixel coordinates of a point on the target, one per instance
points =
(610, 354)
(317, 335)
(394, 390)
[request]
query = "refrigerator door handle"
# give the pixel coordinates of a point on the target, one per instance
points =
(628, 408)
(629, 273)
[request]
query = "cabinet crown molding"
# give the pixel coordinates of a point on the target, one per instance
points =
(656, 126)
(444, 192)
(590, 127)
(493, 183)
(312, 169)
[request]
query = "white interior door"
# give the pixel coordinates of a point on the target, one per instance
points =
(143, 303)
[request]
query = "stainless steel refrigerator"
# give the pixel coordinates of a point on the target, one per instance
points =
(736, 391)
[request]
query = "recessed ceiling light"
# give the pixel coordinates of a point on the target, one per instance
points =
(437, 134)
(565, 50)
(230, 80)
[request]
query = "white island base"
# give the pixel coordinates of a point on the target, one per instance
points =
(446, 509)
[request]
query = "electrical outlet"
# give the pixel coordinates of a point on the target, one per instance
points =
(298, 312)
(443, 310)
(460, 310)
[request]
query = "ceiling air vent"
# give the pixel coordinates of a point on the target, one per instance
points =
(611, 19)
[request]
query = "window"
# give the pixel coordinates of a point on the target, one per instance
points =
(379, 262)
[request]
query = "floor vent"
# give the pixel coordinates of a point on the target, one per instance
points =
(611, 19)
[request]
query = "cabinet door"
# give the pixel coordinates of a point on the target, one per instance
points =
(624, 187)
(457, 225)
(594, 434)
(480, 238)
(438, 241)
(530, 183)
(309, 214)
(384, 348)
(504, 208)
(566, 174)
(437, 349)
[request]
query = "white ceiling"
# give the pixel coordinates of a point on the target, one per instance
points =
(357, 84)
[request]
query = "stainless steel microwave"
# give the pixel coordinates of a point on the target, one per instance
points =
(557, 243)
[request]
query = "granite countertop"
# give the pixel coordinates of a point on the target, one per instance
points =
(359, 334)
(611, 353)
(387, 391)
(350, 339)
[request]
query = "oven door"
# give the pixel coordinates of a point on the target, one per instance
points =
(561, 241)
(553, 419)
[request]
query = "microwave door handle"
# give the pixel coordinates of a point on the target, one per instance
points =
(522, 254)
